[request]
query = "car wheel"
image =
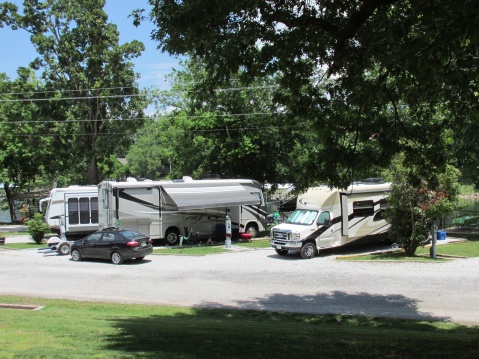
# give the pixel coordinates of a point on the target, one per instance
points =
(281, 252)
(76, 255)
(139, 258)
(172, 237)
(252, 229)
(116, 258)
(64, 249)
(308, 251)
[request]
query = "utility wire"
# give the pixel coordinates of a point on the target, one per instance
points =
(145, 118)
(262, 128)
(114, 96)
(65, 90)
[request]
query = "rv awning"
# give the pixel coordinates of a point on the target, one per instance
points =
(209, 196)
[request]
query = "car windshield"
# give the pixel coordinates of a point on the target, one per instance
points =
(301, 216)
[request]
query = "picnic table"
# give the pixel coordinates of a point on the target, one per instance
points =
(469, 222)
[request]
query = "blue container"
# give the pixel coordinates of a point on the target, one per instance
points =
(441, 236)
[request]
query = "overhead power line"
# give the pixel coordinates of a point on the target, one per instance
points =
(31, 99)
(65, 90)
(262, 128)
(146, 118)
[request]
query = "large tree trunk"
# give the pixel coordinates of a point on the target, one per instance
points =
(92, 171)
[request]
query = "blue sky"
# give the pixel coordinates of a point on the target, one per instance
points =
(153, 65)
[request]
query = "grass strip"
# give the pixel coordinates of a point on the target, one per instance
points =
(459, 249)
(69, 329)
(202, 250)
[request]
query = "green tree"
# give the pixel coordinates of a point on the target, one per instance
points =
(231, 129)
(23, 161)
(399, 73)
(414, 204)
(90, 76)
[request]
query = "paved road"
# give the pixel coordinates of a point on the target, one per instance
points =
(258, 279)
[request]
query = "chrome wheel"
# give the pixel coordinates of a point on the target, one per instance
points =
(308, 251)
(116, 258)
(172, 237)
(76, 256)
(252, 230)
(64, 249)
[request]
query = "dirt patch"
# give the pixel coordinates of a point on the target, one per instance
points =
(21, 306)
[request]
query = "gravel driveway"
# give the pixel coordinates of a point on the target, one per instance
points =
(256, 279)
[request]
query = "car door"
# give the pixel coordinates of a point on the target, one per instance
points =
(105, 244)
(88, 245)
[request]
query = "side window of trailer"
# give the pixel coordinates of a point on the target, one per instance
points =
(383, 204)
(363, 208)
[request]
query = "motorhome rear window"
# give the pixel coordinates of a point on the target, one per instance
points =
(301, 216)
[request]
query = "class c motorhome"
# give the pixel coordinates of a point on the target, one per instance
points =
(328, 217)
(164, 210)
(76, 207)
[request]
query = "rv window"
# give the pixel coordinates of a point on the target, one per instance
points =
(301, 216)
(324, 219)
(85, 210)
(383, 204)
(363, 208)
(94, 210)
(73, 211)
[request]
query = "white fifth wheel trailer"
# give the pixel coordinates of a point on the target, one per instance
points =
(326, 217)
(165, 210)
(76, 206)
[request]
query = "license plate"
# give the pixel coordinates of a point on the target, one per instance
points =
(278, 246)
(143, 244)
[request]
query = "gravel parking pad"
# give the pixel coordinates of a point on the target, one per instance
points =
(256, 279)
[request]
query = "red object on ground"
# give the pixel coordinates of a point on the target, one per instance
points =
(246, 237)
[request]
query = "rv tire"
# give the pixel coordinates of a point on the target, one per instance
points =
(308, 251)
(172, 236)
(281, 252)
(252, 229)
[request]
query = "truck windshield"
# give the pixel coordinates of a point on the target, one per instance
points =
(301, 216)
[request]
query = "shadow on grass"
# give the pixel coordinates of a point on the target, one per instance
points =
(217, 331)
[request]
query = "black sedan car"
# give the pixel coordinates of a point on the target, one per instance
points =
(115, 244)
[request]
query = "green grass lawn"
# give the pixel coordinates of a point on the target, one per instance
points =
(32, 245)
(443, 252)
(69, 329)
(201, 250)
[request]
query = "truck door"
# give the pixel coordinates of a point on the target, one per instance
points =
(326, 238)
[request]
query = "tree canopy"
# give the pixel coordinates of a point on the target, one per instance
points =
(88, 75)
(232, 130)
(375, 77)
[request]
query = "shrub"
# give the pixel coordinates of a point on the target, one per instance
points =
(37, 227)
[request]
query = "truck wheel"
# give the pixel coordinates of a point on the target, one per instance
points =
(281, 252)
(308, 251)
(172, 237)
(64, 249)
(252, 229)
